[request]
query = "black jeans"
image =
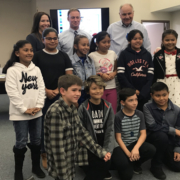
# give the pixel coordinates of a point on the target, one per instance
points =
(164, 151)
(124, 166)
(47, 104)
(97, 168)
(141, 104)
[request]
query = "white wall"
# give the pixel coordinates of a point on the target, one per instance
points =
(141, 7)
(157, 5)
(16, 22)
(175, 24)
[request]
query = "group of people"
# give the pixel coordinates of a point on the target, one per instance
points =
(63, 91)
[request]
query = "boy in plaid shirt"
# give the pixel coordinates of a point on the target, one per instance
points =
(64, 132)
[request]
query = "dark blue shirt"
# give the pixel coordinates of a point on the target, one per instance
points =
(166, 121)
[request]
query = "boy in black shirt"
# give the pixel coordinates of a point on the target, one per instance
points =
(97, 117)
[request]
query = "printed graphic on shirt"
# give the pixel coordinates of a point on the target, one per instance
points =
(105, 66)
(138, 67)
(31, 80)
(97, 116)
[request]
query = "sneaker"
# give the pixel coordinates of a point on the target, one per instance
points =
(158, 173)
(137, 170)
(108, 176)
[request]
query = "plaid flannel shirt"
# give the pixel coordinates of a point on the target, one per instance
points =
(63, 133)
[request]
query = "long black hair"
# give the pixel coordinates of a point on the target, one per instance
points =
(96, 39)
(167, 32)
(13, 57)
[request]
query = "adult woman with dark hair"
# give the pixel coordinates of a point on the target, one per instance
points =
(41, 21)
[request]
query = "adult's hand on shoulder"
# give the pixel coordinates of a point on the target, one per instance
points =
(157, 49)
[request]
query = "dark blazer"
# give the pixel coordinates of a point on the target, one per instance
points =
(160, 64)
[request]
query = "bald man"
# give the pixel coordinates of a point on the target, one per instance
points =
(119, 30)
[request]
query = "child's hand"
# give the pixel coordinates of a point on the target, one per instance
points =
(176, 157)
(111, 75)
(50, 93)
(135, 154)
(105, 77)
(128, 154)
(56, 91)
(137, 92)
(177, 132)
(107, 157)
(29, 111)
(36, 110)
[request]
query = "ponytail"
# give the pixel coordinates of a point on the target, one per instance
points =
(96, 39)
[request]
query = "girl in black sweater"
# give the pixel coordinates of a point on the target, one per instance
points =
(135, 67)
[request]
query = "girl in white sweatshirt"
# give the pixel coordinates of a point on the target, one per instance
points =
(25, 88)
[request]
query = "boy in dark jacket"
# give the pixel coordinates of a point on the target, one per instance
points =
(97, 117)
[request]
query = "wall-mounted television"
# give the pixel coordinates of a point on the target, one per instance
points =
(93, 20)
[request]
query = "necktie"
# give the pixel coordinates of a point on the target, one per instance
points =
(75, 33)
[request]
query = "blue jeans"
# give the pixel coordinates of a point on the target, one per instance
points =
(23, 127)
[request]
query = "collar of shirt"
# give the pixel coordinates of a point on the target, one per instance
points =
(78, 59)
(170, 105)
(123, 25)
(53, 53)
(62, 103)
(72, 30)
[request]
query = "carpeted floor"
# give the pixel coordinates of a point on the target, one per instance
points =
(7, 139)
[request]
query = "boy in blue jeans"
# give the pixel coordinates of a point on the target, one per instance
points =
(130, 131)
(163, 129)
(64, 132)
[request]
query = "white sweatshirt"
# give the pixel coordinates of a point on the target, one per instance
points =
(25, 88)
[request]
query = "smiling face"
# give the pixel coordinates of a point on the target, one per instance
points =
(126, 14)
(51, 41)
(136, 42)
(96, 92)
(104, 44)
(160, 98)
(82, 48)
(71, 95)
(25, 54)
(74, 19)
(169, 42)
(43, 23)
(130, 103)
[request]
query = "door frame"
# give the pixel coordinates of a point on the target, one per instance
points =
(158, 21)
